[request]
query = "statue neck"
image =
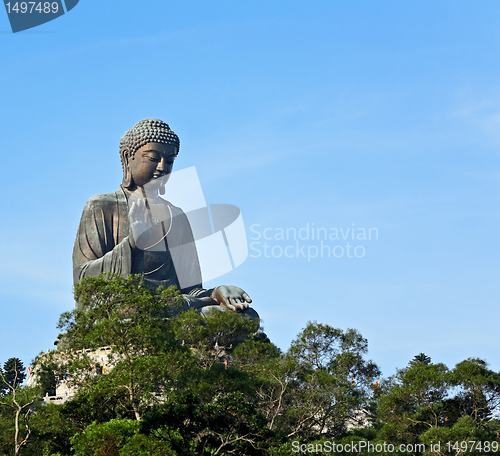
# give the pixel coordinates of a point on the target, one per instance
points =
(139, 191)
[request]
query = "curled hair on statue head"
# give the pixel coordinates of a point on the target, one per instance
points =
(148, 131)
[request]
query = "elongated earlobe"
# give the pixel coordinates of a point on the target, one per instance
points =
(125, 156)
(162, 190)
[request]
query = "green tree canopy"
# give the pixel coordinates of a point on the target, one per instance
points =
(431, 403)
(420, 358)
(12, 375)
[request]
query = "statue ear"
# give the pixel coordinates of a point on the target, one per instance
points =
(127, 177)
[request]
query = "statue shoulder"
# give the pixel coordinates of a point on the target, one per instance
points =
(176, 211)
(106, 201)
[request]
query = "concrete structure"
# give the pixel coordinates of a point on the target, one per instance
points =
(64, 390)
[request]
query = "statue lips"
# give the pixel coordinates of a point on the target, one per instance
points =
(159, 180)
(156, 185)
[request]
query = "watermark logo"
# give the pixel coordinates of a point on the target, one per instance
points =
(367, 447)
(26, 15)
(204, 241)
(310, 242)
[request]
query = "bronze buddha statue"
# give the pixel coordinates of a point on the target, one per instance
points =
(135, 231)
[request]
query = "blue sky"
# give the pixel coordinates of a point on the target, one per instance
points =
(381, 114)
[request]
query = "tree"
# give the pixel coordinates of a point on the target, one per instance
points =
(213, 410)
(187, 384)
(321, 385)
(117, 437)
(420, 358)
(429, 403)
(156, 361)
(478, 389)
(213, 340)
(227, 424)
(123, 314)
(414, 402)
(13, 375)
(51, 431)
(17, 400)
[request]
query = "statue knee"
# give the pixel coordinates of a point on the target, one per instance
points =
(249, 311)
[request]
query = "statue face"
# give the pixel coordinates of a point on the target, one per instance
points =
(152, 163)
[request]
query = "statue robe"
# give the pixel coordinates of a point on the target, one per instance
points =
(102, 245)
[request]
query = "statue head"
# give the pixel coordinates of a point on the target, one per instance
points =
(147, 152)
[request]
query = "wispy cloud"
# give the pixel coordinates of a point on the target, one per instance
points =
(481, 111)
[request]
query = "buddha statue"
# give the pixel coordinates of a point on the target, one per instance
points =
(135, 231)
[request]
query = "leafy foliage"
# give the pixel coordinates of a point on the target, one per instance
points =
(180, 384)
(16, 406)
(420, 358)
(430, 403)
(321, 384)
(12, 375)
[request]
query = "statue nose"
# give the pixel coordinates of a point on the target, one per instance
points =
(161, 166)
